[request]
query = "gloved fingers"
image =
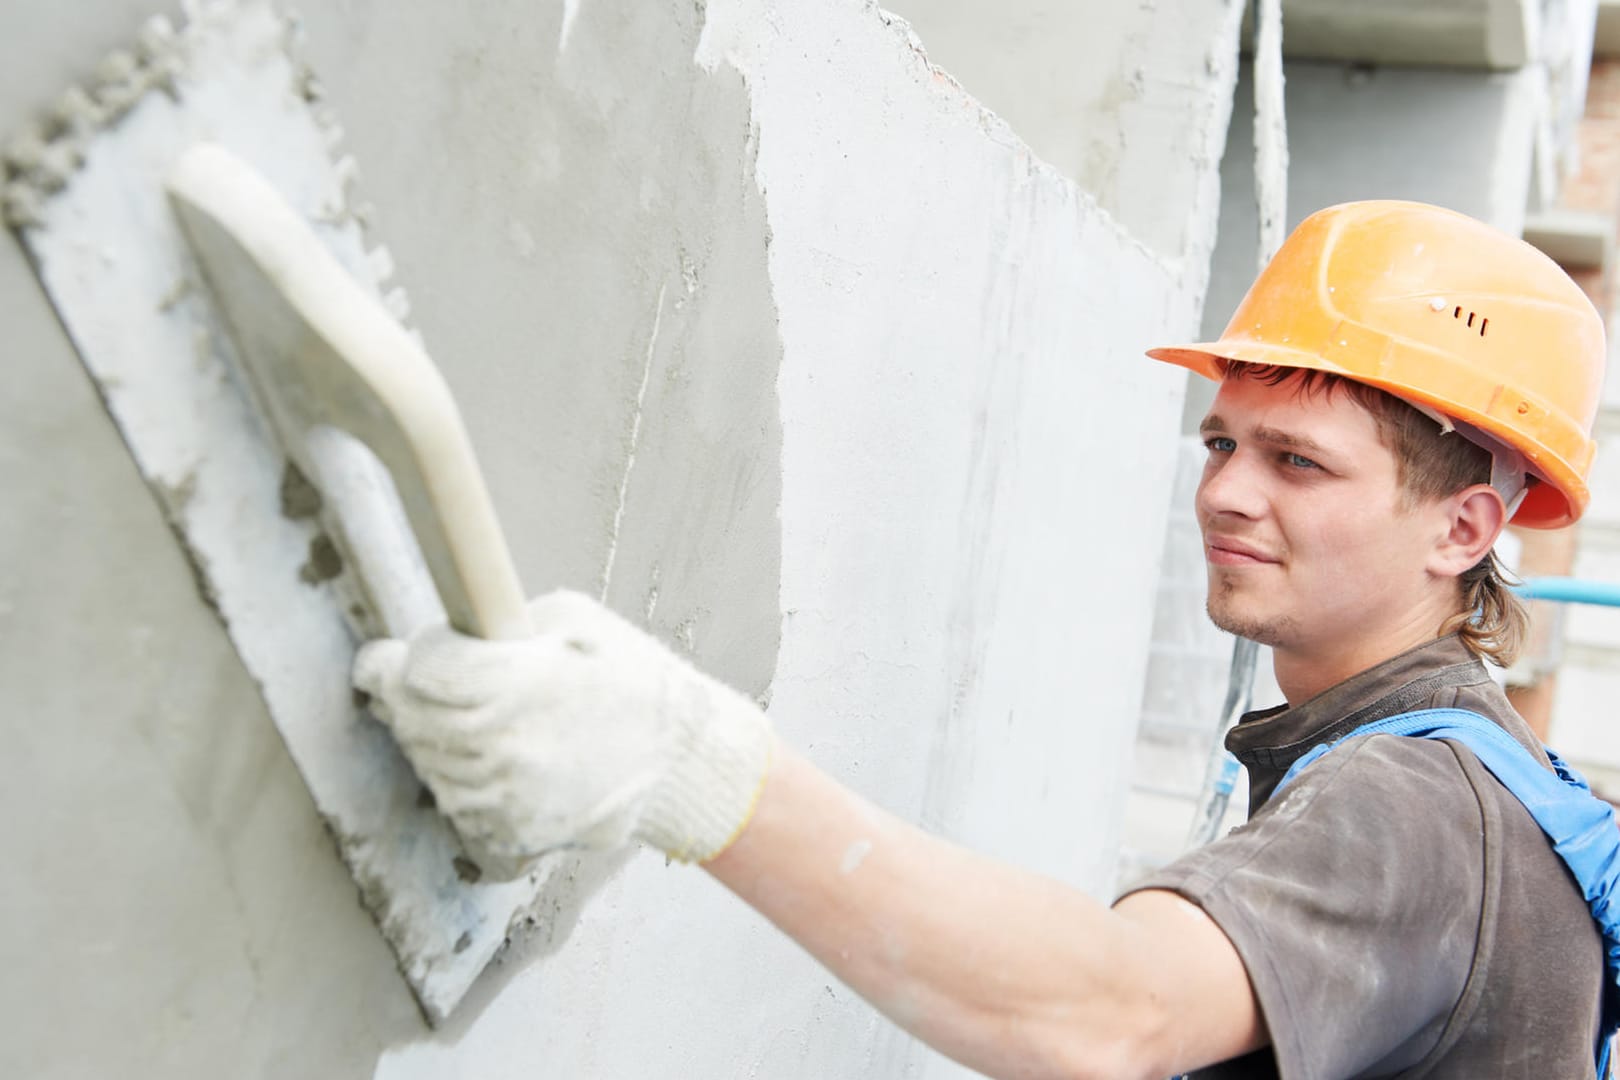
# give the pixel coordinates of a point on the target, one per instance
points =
(434, 741)
(463, 765)
(582, 629)
(493, 819)
(376, 673)
(564, 610)
(461, 672)
(486, 827)
(499, 866)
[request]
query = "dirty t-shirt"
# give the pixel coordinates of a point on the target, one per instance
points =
(1398, 911)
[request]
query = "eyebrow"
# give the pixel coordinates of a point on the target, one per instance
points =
(1286, 440)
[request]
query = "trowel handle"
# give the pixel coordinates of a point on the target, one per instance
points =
(323, 351)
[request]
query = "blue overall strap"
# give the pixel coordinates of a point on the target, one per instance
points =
(1581, 826)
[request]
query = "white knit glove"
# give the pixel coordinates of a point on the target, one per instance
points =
(588, 734)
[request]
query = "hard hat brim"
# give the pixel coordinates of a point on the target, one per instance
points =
(1545, 507)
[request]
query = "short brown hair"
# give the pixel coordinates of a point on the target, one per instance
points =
(1429, 464)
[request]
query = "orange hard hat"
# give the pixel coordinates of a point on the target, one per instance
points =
(1444, 312)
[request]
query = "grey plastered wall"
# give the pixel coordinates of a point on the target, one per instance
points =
(764, 328)
(1110, 99)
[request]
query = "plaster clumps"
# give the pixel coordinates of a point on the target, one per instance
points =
(201, 574)
(39, 160)
(178, 292)
(177, 495)
(325, 561)
(299, 498)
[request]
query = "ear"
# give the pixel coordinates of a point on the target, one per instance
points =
(1472, 520)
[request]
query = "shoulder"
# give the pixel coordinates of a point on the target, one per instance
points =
(1375, 784)
(1356, 891)
(1384, 827)
(1395, 774)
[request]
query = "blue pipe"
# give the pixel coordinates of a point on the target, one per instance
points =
(1570, 590)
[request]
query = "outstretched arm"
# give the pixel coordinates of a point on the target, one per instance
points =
(592, 734)
(1007, 972)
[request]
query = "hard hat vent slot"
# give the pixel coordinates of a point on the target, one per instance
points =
(1457, 313)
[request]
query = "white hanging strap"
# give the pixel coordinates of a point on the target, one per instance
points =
(1270, 130)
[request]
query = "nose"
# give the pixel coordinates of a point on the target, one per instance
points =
(1230, 486)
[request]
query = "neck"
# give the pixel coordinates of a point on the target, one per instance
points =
(1302, 672)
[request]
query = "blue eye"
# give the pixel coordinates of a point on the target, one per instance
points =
(1300, 461)
(1220, 444)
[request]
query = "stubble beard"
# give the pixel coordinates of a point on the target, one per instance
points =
(1221, 607)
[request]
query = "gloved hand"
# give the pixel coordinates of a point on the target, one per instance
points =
(588, 734)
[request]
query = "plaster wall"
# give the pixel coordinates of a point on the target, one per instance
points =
(1098, 91)
(766, 331)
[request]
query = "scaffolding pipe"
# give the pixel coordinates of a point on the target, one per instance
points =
(1568, 590)
(1271, 195)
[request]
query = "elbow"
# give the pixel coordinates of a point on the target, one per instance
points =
(1134, 1048)
(1114, 1059)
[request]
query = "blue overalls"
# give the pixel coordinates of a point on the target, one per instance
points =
(1581, 827)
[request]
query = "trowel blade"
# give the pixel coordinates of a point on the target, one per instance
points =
(107, 249)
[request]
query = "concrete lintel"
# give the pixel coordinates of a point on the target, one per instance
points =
(1572, 238)
(1493, 34)
(1606, 42)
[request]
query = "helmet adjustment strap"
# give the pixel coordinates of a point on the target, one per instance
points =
(1510, 474)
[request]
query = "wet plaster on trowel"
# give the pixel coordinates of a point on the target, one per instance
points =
(108, 250)
(174, 903)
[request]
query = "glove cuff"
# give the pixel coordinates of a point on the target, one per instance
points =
(721, 757)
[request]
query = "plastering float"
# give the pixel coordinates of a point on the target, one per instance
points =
(207, 257)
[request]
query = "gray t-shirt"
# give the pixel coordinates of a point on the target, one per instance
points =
(1398, 911)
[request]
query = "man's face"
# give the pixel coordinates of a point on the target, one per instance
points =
(1306, 539)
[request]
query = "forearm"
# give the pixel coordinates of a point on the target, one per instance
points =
(1007, 972)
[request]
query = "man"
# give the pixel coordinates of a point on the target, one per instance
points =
(1398, 383)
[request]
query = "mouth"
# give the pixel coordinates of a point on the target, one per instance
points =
(1225, 551)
